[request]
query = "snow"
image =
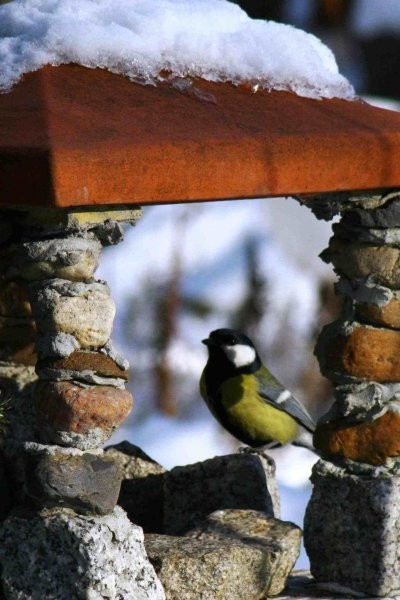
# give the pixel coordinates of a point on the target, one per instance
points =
(143, 40)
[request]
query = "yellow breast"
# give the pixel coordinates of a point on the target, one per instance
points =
(246, 410)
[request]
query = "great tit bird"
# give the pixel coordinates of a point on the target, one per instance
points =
(246, 399)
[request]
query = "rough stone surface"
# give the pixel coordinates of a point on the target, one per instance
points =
(382, 217)
(367, 236)
(14, 300)
(234, 481)
(387, 315)
(5, 492)
(85, 311)
(141, 494)
(80, 360)
(250, 527)
(66, 407)
(360, 351)
(362, 401)
(365, 290)
(381, 263)
(235, 555)
(72, 258)
(351, 530)
(88, 483)
(371, 442)
(57, 555)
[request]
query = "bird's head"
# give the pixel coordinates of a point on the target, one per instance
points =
(233, 346)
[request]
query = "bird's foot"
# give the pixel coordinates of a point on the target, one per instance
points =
(262, 453)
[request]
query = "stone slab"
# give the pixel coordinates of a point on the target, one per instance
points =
(56, 554)
(243, 480)
(351, 531)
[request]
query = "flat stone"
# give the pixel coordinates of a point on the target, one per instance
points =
(85, 311)
(387, 315)
(56, 554)
(236, 554)
(14, 301)
(365, 352)
(142, 494)
(350, 531)
(64, 406)
(72, 258)
(80, 360)
(371, 442)
(382, 263)
(88, 483)
(242, 480)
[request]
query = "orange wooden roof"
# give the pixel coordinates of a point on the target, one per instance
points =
(73, 136)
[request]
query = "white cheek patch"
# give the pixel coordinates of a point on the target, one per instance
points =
(240, 354)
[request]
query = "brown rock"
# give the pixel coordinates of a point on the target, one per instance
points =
(14, 300)
(387, 315)
(363, 260)
(366, 353)
(17, 340)
(372, 442)
(68, 407)
(81, 360)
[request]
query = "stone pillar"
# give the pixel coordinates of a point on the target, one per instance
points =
(351, 530)
(64, 487)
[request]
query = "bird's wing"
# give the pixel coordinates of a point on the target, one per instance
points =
(273, 392)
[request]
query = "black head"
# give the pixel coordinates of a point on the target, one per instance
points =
(233, 347)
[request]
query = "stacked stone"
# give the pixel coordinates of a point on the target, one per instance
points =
(351, 526)
(85, 545)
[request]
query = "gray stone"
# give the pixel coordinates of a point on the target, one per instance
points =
(244, 480)
(362, 401)
(351, 527)
(385, 216)
(235, 555)
(364, 290)
(367, 236)
(55, 344)
(141, 492)
(72, 258)
(90, 440)
(88, 483)
(83, 310)
(58, 555)
(86, 376)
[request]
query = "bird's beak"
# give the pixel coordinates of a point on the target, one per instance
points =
(207, 342)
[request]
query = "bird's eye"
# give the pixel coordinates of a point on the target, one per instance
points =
(231, 340)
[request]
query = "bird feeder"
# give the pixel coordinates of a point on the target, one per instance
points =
(81, 150)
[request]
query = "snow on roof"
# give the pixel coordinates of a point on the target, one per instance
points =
(144, 40)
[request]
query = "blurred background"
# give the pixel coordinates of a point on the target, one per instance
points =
(251, 264)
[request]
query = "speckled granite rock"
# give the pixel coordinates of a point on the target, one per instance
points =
(58, 555)
(234, 481)
(142, 493)
(350, 528)
(235, 555)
